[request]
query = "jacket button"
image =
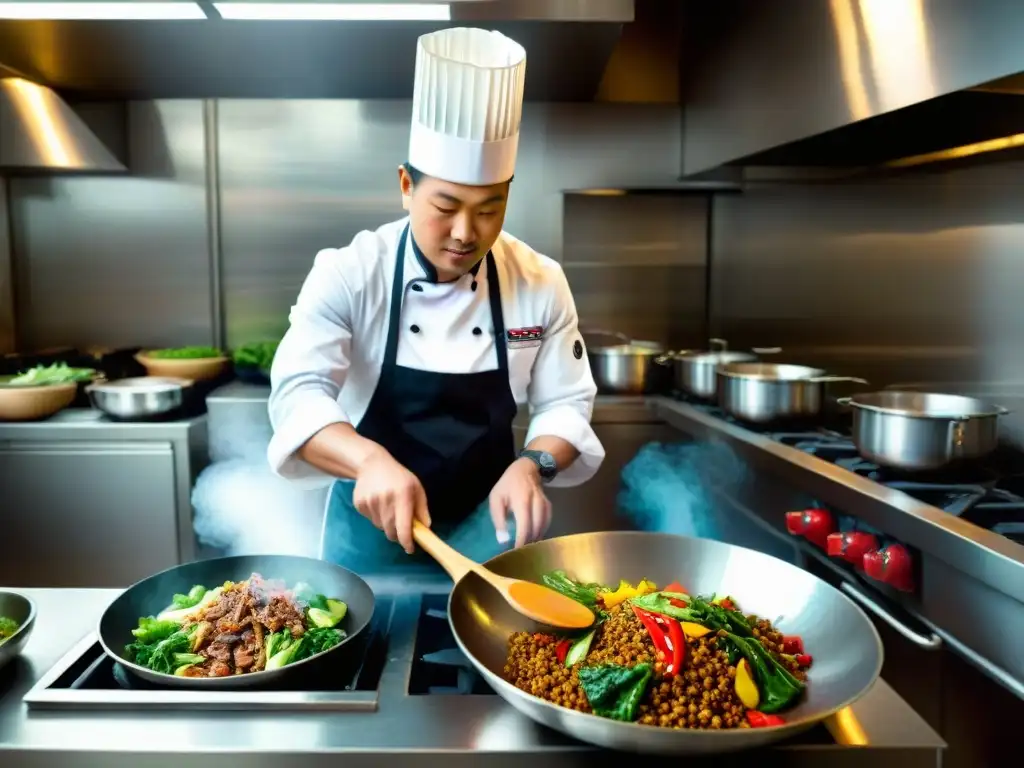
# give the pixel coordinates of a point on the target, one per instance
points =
(414, 328)
(473, 285)
(417, 287)
(477, 331)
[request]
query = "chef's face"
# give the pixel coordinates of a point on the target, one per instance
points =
(453, 224)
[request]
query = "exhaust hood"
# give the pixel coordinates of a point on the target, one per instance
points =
(340, 50)
(39, 132)
(852, 84)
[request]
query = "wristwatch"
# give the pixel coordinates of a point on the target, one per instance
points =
(545, 463)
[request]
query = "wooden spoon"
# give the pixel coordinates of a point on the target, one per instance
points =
(535, 601)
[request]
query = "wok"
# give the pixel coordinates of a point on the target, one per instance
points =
(151, 595)
(846, 647)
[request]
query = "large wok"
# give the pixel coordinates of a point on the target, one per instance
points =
(846, 648)
(151, 595)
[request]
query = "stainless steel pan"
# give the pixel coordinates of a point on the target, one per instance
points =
(920, 431)
(151, 595)
(846, 647)
(624, 367)
(764, 392)
(693, 371)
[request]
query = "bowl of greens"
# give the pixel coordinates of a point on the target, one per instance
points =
(194, 363)
(40, 392)
(253, 361)
(17, 616)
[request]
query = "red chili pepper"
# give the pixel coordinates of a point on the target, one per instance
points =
(728, 604)
(562, 649)
(792, 644)
(761, 720)
(804, 659)
(667, 635)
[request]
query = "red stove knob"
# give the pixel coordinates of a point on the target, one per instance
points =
(815, 525)
(892, 565)
(851, 546)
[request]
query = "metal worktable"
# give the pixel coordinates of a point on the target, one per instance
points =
(424, 730)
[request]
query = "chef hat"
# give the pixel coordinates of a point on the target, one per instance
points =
(466, 106)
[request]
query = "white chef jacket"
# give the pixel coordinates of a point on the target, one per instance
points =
(328, 363)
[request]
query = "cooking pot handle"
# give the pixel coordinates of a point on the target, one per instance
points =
(766, 350)
(718, 345)
(827, 379)
(844, 400)
(665, 359)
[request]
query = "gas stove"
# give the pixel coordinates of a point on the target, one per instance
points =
(346, 681)
(989, 494)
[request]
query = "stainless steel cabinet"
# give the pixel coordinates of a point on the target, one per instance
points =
(91, 514)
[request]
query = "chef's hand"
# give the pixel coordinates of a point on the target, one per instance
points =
(390, 496)
(519, 491)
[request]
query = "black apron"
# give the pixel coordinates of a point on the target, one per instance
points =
(452, 430)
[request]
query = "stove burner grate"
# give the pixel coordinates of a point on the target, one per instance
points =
(439, 665)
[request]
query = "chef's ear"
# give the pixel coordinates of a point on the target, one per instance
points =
(405, 185)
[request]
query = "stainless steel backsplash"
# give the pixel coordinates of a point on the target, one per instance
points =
(918, 279)
(124, 261)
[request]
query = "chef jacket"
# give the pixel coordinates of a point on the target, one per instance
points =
(327, 365)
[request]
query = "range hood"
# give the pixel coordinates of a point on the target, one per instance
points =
(863, 84)
(40, 133)
(568, 43)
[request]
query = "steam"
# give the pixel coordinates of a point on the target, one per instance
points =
(244, 508)
(667, 488)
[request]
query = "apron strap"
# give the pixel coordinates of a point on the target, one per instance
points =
(395, 315)
(497, 316)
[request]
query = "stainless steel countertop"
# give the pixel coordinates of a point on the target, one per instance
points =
(424, 730)
(91, 424)
(989, 557)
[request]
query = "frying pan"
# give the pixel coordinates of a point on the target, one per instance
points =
(153, 594)
(846, 647)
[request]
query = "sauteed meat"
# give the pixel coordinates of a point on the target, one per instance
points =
(663, 658)
(237, 628)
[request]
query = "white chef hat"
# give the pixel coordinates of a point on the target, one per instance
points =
(466, 106)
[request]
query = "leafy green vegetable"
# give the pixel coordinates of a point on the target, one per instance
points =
(615, 691)
(185, 353)
(662, 602)
(283, 649)
(160, 656)
(192, 598)
(779, 689)
(42, 375)
(173, 613)
(581, 593)
(259, 354)
(578, 650)
(329, 616)
(7, 628)
(152, 630)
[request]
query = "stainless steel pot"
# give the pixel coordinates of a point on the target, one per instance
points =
(693, 371)
(919, 431)
(141, 397)
(764, 392)
(625, 367)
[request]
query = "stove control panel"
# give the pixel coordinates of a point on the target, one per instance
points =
(846, 539)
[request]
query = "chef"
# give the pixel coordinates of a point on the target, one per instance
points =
(409, 350)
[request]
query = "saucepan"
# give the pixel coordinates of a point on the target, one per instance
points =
(694, 370)
(625, 366)
(287, 595)
(922, 431)
(846, 649)
(764, 392)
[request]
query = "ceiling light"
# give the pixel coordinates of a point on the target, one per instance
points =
(335, 11)
(104, 11)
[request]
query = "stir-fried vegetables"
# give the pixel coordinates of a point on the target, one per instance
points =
(237, 628)
(763, 677)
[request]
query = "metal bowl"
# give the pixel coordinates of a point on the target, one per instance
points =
(138, 397)
(845, 644)
(22, 610)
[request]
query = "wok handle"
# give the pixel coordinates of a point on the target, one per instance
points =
(932, 643)
(455, 563)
